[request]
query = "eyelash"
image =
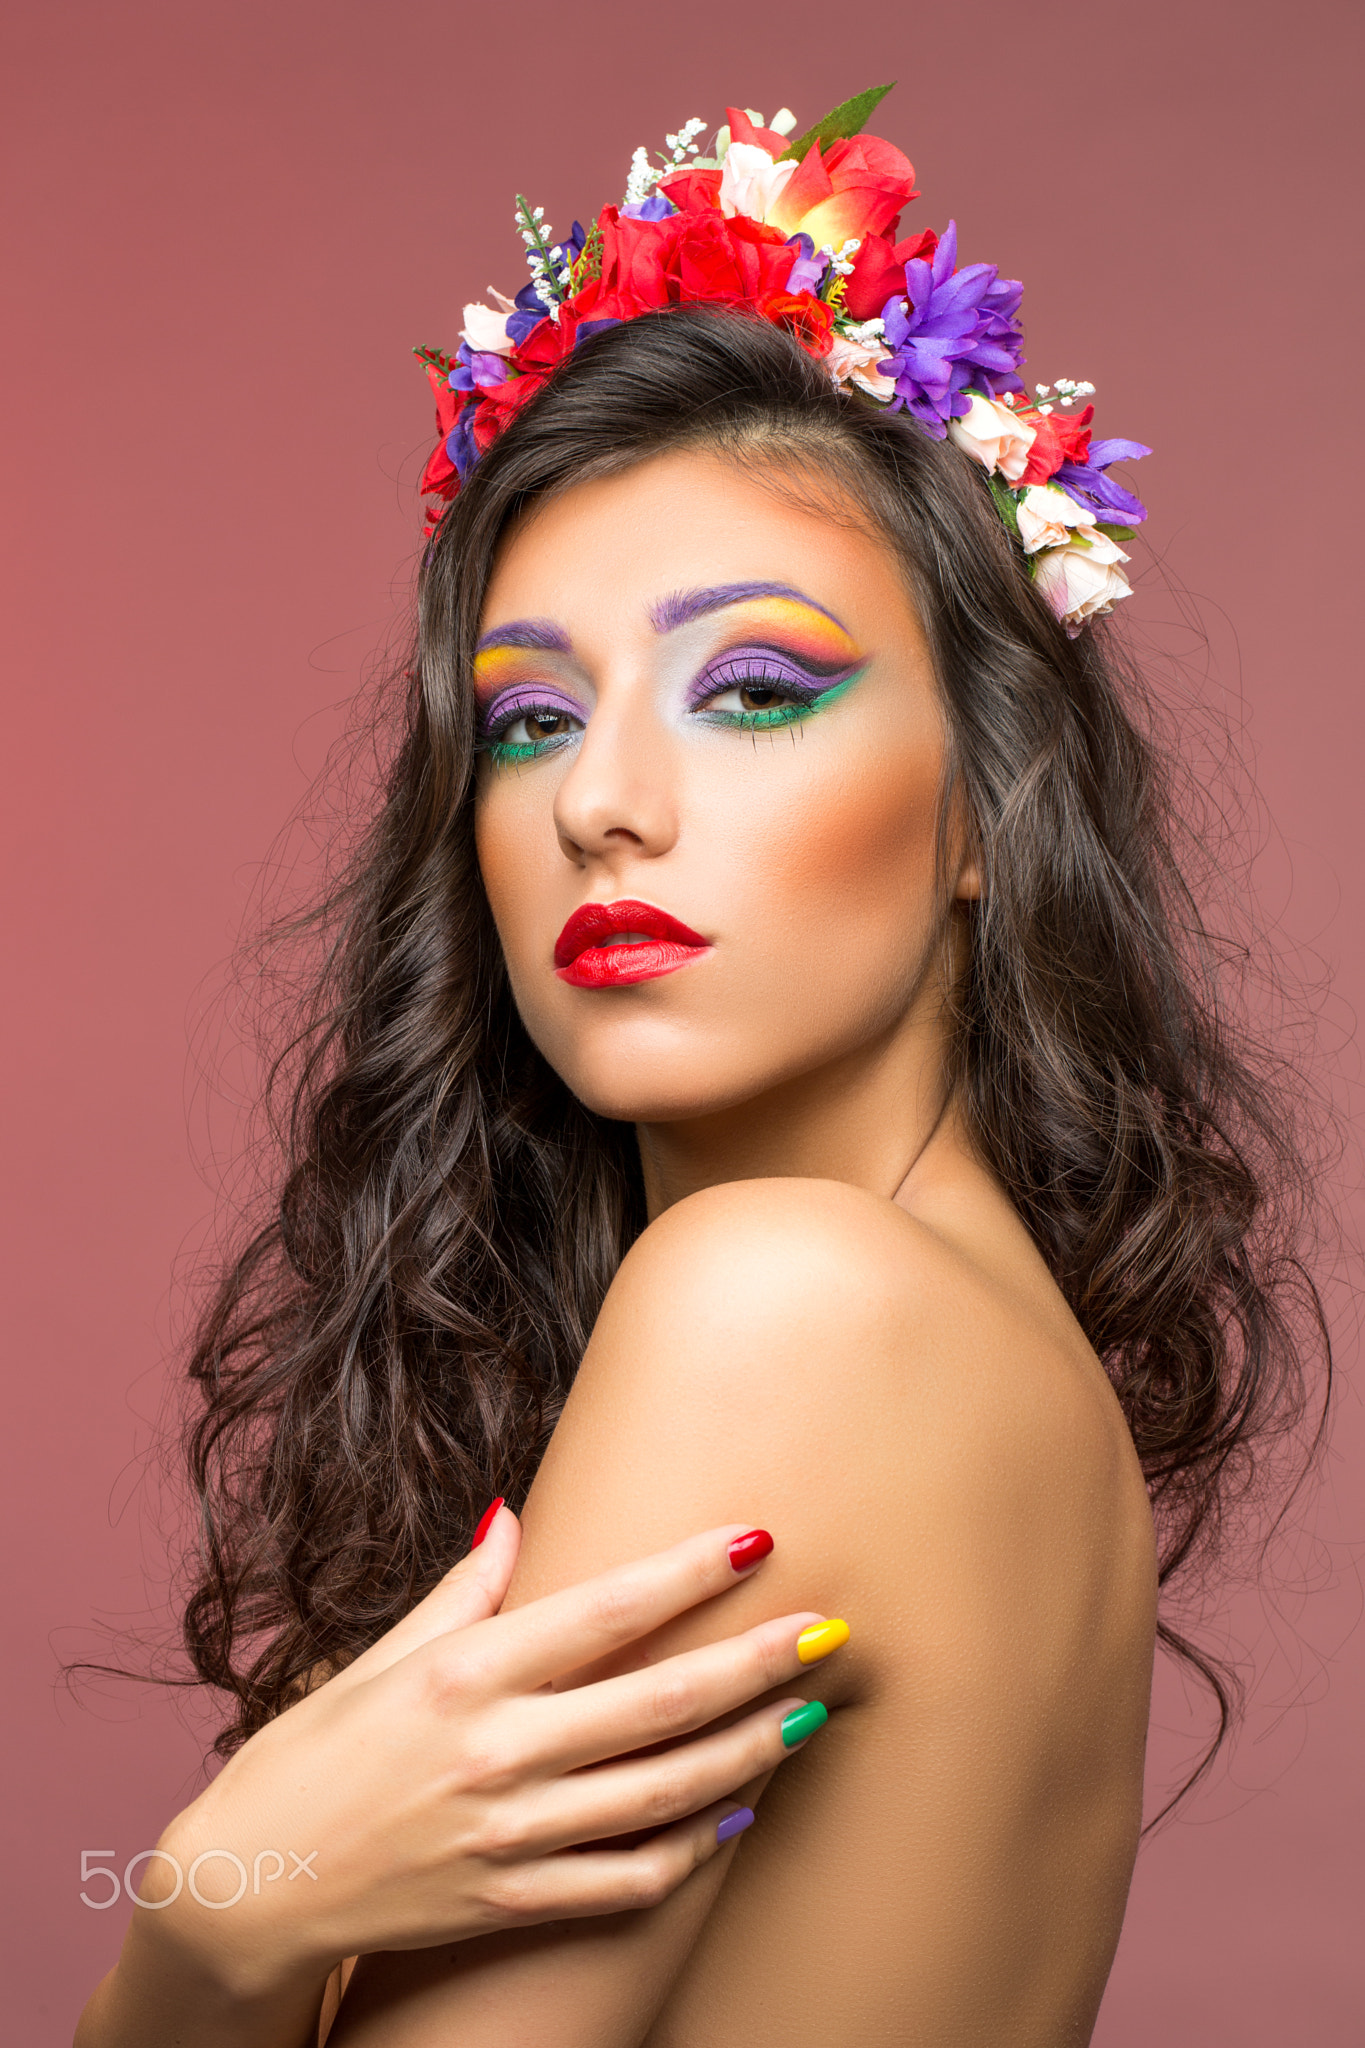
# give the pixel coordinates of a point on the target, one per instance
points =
(744, 673)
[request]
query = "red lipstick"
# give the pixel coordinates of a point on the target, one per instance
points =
(610, 945)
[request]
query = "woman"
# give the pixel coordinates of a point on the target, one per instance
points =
(768, 1044)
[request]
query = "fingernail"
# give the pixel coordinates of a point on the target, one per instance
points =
(735, 1824)
(819, 1639)
(486, 1522)
(747, 1551)
(801, 1722)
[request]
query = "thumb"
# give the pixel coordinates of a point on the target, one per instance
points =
(471, 1591)
(485, 1574)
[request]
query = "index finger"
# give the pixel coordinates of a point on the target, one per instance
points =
(526, 1648)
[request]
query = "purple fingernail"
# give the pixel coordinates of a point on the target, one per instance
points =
(735, 1824)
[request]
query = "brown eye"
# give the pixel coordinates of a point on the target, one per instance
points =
(547, 725)
(757, 697)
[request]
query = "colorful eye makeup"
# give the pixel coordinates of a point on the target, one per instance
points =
(794, 659)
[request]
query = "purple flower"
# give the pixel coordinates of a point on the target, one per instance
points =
(806, 272)
(530, 312)
(531, 307)
(1086, 481)
(475, 366)
(460, 445)
(658, 206)
(958, 329)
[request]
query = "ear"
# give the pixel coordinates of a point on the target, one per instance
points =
(963, 845)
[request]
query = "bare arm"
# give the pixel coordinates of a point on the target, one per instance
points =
(440, 1776)
(805, 1344)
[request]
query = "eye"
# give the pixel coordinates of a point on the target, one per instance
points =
(529, 727)
(755, 693)
(521, 728)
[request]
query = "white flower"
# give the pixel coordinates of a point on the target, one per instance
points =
(998, 440)
(486, 331)
(643, 177)
(1046, 516)
(783, 121)
(750, 181)
(1083, 583)
(854, 361)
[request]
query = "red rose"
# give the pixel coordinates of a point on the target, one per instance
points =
(438, 474)
(691, 190)
(448, 402)
(878, 272)
(546, 345)
(689, 257)
(855, 187)
(636, 255)
(808, 318)
(742, 129)
(436, 477)
(728, 261)
(499, 405)
(1058, 437)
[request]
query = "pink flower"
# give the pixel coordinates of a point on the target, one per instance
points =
(1047, 517)
(486, 331)
(995, 436)
(855, 362)
(1082, 582)
(750, 182)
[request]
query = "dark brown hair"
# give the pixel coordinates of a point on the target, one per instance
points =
(393, 1345)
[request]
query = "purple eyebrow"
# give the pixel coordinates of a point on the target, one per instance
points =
(685, 605)
(527, 633)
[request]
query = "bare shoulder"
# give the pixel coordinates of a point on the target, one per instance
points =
(836, 1303)
(809, 1356)
(845, 1276)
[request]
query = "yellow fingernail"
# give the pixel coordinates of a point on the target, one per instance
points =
(819, 1639)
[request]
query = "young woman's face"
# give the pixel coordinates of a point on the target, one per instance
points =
(708, 796)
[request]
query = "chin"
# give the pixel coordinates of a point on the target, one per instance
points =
(635, 1092)
(641, 1074)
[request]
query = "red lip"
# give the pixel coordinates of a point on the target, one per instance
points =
(585, 958)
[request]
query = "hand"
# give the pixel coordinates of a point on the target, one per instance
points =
(440, 1776)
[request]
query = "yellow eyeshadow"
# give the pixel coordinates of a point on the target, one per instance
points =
(499, 665)
(819, 635)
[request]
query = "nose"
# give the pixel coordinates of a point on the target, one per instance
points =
(619, 800)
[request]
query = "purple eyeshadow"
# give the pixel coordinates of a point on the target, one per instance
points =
(777, 670)
(523, 697)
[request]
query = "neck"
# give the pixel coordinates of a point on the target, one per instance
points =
(865, 1118)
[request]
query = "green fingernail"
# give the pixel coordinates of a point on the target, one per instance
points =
(801, 1722)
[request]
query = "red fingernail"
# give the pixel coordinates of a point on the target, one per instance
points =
(748, 1550)
(486, 1522)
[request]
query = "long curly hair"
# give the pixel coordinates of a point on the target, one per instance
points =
(394, 1342)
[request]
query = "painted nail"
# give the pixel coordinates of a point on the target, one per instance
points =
(486, 1522)
(735, 1824)
(819, 1639)
(747, 1551)
(801, 1722)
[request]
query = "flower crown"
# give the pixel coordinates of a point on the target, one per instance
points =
(804, 234)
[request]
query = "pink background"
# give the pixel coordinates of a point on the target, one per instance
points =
(227, 228)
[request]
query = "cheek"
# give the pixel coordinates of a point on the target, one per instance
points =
(516, 847)
(856, 844)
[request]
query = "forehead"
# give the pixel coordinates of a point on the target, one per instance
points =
(617, 553)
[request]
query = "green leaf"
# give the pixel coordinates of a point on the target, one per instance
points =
(1116, 532)
(849, 119)
(1006, 502)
